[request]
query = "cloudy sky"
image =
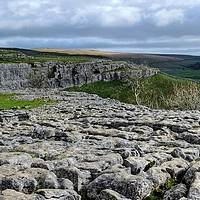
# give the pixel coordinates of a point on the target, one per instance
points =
(147, 26)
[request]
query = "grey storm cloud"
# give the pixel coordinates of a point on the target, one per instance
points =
(149, 26)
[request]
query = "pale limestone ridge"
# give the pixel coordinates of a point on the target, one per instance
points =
(63, 75)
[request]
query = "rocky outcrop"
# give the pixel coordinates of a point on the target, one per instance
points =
(86, 147)
(59, 74)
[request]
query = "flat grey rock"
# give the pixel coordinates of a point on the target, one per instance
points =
(13, 195)
(59, 194)
(16, 158)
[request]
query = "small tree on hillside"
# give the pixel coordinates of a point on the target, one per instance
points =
(134, 78)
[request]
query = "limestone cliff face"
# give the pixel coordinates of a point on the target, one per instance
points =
(59, 74)
(14, 75)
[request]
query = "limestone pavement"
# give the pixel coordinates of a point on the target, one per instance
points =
(86, 147)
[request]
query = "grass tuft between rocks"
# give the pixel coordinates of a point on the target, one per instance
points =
(158, 193)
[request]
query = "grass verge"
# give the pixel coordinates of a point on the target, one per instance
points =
(8, 102)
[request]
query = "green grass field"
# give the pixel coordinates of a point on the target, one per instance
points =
(8, 102)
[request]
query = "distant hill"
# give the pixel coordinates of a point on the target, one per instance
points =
(112, 55)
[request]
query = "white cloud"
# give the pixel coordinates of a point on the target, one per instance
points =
(22, 8)
(163, 3)
(79, 17)
(165, 17)
(155, 6)
(182, 3)
(121, 16)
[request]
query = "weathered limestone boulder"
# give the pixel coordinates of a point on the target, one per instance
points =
(189, 175)
(131, 186)
(194, 191)
(187, 154)
(11, 178)
(158, 176)
(176, 192)
(108, 194)
(136, 164)
(77, 177)
(27, 180)
(191, 138)
(44, 178)
(176, 167)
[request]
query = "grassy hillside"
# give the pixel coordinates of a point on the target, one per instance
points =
(155, 91)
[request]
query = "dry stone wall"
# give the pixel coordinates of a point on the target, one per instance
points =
(60, 75)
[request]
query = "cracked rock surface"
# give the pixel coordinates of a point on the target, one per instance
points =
(86, 147)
